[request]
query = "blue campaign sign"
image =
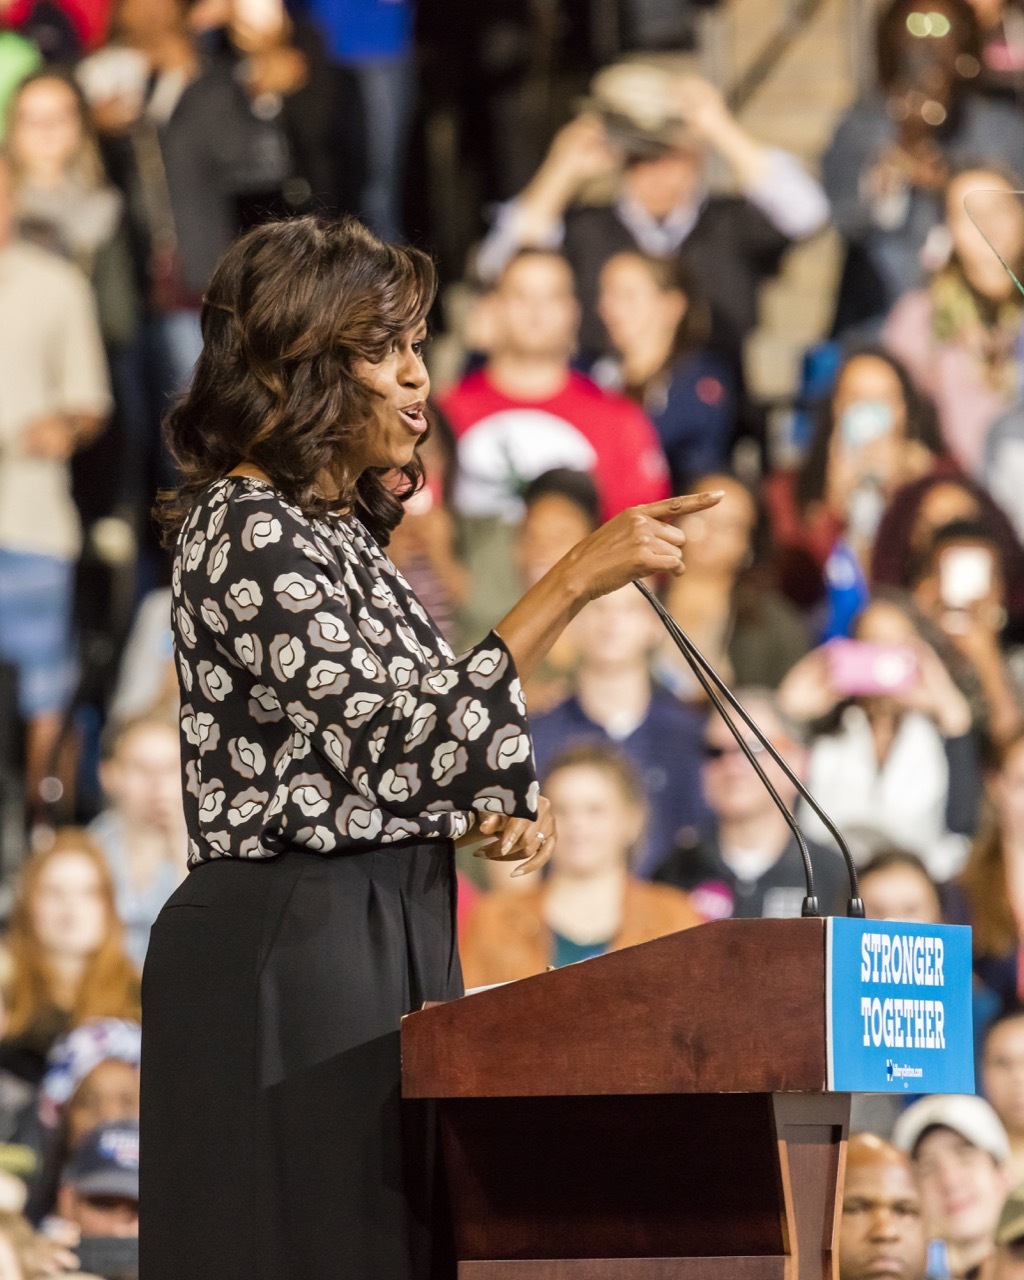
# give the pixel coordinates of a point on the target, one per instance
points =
(898, 1004)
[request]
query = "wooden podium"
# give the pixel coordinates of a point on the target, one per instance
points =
(658, 1113)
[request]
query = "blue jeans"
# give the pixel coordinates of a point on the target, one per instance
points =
(386, 85)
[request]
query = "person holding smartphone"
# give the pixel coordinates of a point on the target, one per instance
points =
(875, 433)
(893, 757)
(961, 588)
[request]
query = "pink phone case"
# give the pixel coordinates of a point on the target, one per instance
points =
(860, 669)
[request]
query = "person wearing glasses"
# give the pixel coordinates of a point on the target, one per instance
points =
(746, 864)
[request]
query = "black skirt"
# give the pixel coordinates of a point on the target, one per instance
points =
(275, 1144)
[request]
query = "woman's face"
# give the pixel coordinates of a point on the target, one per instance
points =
(900, 892)
(109, 1092)
(551, 527)
(597, 825)
(632, 306)
(1007, 791)
(868, 404)
(46, 132)
(985, 200)
(885, 623)
(399, 386)
(718, 541)
(68, 911)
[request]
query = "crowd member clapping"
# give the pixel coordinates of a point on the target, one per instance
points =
(960, 1153)
(875, 433)
(960, 336)
(746, 863)
(142, 832)
(589, 903)
(894, 760)
(726, 602)
(615, 701)
(658, 327)
(655, 132)
(66, 942)
(882, 1230)
(892, 154)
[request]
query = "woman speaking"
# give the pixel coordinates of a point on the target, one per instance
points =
(333, 751)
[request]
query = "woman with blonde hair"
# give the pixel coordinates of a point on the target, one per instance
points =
(66, 943)
(63, 198)
(590, 903)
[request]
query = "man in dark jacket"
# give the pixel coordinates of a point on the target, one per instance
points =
(747, 863)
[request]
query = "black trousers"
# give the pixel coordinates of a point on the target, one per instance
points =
(275, 1145)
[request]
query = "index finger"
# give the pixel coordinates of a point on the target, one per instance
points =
(682, 505)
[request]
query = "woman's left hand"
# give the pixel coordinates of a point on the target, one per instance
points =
(517, 838)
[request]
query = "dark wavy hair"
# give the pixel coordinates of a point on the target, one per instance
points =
(922, 424)
(292, 307)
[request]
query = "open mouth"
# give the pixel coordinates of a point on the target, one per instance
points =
(414, 416)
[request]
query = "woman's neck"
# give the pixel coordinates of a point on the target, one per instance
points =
(528, 377)
(66, 974)
(586, 908)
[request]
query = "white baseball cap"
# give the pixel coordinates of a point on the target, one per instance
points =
(965, 1113)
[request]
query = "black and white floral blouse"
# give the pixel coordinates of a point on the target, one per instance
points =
(321, 708)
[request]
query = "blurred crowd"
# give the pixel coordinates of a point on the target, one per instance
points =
(602, 245)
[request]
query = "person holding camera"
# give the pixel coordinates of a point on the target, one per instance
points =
(891, 157)
(961, 588)
(893, 757)
(650, 133)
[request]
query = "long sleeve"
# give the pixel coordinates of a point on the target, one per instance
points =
(354, 714)
(789, 197)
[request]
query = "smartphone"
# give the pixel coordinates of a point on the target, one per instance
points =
(860, 669)
(965, 576)
(864, 421)
(112, 1257)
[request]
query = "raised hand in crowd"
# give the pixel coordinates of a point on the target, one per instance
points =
(580, 153)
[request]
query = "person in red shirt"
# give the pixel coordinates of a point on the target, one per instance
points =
(527, 411)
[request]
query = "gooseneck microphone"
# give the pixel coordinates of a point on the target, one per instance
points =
(713, 685)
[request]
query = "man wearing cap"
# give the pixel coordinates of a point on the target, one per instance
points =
(1008, 1259)
(653, 129)
(882, 1232)
(960, 1154)
(99, 1190)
